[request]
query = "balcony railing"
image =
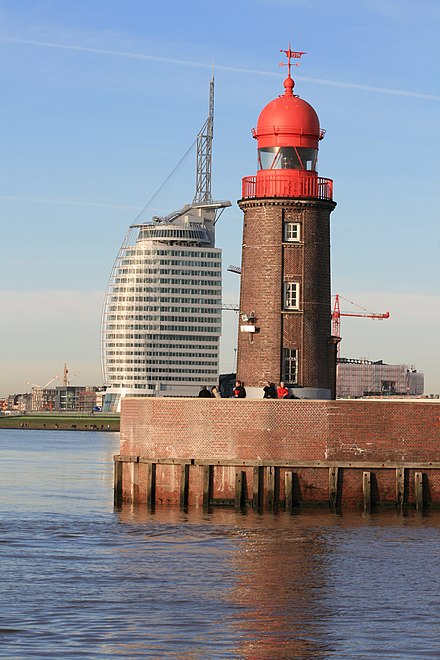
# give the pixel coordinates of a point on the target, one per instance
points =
(286, 186)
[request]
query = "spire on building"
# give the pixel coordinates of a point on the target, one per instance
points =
(204, 154)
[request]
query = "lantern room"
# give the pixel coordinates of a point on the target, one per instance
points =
(288, 134)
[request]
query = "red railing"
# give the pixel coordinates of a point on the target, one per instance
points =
(286, 186)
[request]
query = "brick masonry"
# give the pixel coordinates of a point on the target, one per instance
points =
(295, 431)
(267, 263)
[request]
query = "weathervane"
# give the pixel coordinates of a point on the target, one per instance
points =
(291, 54)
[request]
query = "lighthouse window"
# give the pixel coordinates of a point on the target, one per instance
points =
(289, 365)
(292, 231)
(291, 295)
(287, 158)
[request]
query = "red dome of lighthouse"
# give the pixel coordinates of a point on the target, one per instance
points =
(288, 135)
(288, 121)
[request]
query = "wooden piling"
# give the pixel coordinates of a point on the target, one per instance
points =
(418, 488)
(258, 488)
(333, 475)
(366, 488)
(276, 490)
(272, 488)
(184, 485)
(208, 480)
(117, 482)
(288, 491)
(240, 487)
(269, 488)
(400, 488)
(135, 482)
(266, 481)
(151, 485)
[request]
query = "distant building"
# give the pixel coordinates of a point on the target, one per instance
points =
(65, 398)
(43, 399)
(77, 398)
(162, 313)
(359, 378)
(19, 402)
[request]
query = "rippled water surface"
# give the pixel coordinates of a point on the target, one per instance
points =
(80, 580)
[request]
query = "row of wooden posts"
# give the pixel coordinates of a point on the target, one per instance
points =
(266, 482)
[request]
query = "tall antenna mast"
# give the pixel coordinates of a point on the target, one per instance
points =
(204, 154)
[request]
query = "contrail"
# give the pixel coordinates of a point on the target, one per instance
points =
(107, 51)
(369, 88)
(221, 67)
(68, 202)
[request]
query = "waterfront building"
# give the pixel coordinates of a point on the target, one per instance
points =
(64, 398)
(77, 398)
(43, 399)
(285, 332)
(21, 403)
(359, 378)
(161, 322)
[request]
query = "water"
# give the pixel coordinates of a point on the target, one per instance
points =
(80, 580)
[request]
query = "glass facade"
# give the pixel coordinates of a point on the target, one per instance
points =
(162, 314)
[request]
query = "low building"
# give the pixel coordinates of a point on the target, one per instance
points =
(360, 378)
(77, 398)
(43, 399)
(21, 403)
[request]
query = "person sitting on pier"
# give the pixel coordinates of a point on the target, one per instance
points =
(204, 392)
(270, 391)
(238, 392)
(282, 391)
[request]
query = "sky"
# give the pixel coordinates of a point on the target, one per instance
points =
(102, 98)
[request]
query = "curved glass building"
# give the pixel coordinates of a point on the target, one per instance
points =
(161, 322)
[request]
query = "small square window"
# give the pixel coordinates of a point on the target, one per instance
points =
(292, 231)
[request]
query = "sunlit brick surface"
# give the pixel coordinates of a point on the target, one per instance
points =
(293, 430)
(267, 262)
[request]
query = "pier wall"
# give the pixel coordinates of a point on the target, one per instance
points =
(279, 452)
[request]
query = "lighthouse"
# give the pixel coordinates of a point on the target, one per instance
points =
(285, 311)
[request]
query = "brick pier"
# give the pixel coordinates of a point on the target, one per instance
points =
(274, 453)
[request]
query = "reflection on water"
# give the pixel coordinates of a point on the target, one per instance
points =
(82, 580)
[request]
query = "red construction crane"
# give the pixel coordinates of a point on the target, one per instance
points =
(336, 315)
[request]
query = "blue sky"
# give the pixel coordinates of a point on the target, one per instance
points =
(100, 99)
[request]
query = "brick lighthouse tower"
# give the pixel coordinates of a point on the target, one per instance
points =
(285, 310)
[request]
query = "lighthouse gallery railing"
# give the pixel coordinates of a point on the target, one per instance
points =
(285, 186)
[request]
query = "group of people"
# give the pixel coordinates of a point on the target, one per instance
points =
(213, 393)
(237, 393)
(270, 391)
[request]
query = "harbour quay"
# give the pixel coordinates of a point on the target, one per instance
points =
(279, 454)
